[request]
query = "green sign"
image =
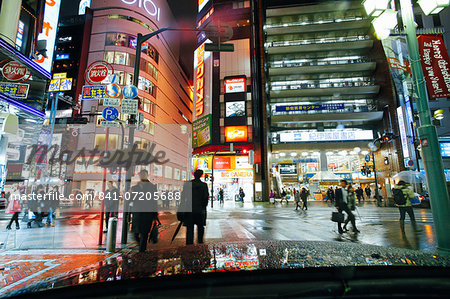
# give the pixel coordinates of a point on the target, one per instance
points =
(201, 131)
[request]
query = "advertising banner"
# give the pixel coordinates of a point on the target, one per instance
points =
(49, 28)
(236, 133)
(202, 82)
(435, 65)
(14, 90)
(233, 85)
(92, 92)
(286, 108)
(201, 131)
(326, 136)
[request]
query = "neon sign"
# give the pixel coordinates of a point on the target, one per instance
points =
(148, 5)
(200, 80)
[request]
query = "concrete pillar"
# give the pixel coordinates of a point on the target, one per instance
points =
(323, 161)
(9, 20)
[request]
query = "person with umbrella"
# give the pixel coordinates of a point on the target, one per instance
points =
(402, 198)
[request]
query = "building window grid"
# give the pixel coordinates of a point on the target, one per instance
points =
(122, 58)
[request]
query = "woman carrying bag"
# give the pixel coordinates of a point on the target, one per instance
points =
(14, 208)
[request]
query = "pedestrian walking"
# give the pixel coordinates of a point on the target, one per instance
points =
(200, 195)
(402, 198)
(221, 196)
(359, 194)
(297, 199)
(341, 195)
(283, 196)
(304, 197)
(111, 205)
(241, 194)
(330, 194)
(36, 206)
(368, 192)
(51, 204)
(351, 195)
(14, 208)
(272, 197)
(144, 212)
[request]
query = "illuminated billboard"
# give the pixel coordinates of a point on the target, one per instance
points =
(236, 133)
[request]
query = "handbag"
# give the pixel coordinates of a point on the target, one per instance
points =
(337, 217)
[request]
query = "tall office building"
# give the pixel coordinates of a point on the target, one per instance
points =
(328, 94)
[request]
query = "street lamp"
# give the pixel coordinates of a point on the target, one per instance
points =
(438, 114)
(432, 6)
(384, 23)
(374, 8)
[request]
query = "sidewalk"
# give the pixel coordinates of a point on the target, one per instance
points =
(21, 268)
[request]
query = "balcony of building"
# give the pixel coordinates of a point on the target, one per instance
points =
(306, 46)
(358, 115)
(324, 65)
(323, 11)
(310, 27)
(325, 87)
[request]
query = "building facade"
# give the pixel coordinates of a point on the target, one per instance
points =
(328, 95)
(226, 137)
(164, 92)
(27, 35)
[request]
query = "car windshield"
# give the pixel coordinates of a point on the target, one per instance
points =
(147, 138)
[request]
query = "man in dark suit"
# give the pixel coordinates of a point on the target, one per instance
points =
(341, 196)
(144, 211)
(197, 217)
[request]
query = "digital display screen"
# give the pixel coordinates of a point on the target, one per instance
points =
(235, 109)
(445, 149)
(62, 56)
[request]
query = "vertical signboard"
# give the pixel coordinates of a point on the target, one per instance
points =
(201, 131)
(435, 65)
(49, 27)
(403, 134)
(202, 82)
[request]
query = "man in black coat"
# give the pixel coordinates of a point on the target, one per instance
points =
(341, 196)
(197, 217)
(144, 211)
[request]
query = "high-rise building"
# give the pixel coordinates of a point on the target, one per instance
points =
(27, 36)
(328, 95)
(226, 102)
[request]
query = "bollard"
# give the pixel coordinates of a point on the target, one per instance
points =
(111, 235)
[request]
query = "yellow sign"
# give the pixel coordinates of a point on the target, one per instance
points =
(59, 75)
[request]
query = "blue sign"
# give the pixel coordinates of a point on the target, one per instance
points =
(305, 160)
(14, 90)
(110, 113)
(130, 91)
(367, 158)
(91, 92)
(286, 108)
(445, 149)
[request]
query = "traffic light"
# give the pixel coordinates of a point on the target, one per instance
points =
(387, 137)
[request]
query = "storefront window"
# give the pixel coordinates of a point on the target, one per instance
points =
(129, 41)
(147, 86)
(120, 58)
(109, 56)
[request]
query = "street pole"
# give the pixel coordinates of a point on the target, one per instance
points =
(132, 121)
(431, 154)
(376, 179)
(102, 205)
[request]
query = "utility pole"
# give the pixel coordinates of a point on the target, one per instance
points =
(440, 203)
